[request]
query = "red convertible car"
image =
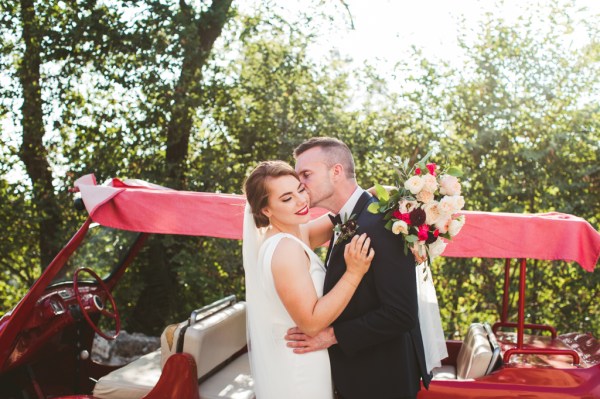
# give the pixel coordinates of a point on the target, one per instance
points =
(46, 340)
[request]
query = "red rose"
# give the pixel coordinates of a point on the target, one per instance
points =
(431, 168)
(406, 218)
(418, 171)
(423, 232)
(436, 232)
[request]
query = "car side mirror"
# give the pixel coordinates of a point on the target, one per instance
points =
(78, 203)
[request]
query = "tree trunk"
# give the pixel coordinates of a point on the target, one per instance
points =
(33, 153)
(197, 40)
(159, 298)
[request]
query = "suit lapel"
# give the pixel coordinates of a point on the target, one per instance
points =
(329, 248)
(358, 209)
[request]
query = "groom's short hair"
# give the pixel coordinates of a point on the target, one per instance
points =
(337, 151)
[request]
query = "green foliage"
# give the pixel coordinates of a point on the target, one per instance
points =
(519, 119)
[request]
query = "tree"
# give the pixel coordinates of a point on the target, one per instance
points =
(87, 41)
(524, 109)
(33, 152)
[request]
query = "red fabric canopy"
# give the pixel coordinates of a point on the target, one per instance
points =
(549, 236)
(139, 206)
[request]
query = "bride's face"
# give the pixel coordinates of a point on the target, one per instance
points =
(288, 201)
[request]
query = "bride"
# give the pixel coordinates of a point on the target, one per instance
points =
(284, 283)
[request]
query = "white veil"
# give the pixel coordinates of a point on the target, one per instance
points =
(432, 332)
(252, 239)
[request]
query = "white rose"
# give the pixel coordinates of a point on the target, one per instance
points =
(400, 226)
(425, 196)
(437, 248)
(443, 223)
(432, 212)
(406, 206)
(449, 185)
(459, 202)
(430, 183)
(456, 202)
(454, 227)
(446, 205)
(414, 184)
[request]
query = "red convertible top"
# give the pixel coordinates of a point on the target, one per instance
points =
(140, 206)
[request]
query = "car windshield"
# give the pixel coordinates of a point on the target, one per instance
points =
(102, 250)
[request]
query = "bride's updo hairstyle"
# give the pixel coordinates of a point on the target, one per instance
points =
(255, 187)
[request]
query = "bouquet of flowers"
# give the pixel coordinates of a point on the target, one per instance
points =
(422, 207)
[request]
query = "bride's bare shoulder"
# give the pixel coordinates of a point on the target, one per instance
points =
(289, 251)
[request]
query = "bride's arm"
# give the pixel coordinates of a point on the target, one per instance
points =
(319, 230)
(290, 268)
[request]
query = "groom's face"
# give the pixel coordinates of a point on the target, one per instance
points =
(315, 174)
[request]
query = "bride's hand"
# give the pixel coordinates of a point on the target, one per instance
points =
(418, 258)
(358, 256)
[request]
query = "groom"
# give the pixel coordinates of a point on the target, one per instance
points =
(375, 345)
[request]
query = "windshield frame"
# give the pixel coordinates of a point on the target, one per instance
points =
(93, 241)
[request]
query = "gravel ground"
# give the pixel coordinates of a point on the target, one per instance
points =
(126, 348)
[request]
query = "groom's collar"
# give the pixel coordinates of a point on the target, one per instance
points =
(348, 207)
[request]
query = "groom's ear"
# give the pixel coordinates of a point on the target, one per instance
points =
(338, 171)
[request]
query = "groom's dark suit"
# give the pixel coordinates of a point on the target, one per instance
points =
(380, 349)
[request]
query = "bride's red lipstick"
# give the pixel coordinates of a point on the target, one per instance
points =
(303, 211)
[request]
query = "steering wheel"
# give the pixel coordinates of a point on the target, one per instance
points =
(95, 302)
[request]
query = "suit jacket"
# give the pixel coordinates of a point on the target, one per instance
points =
(380, 350)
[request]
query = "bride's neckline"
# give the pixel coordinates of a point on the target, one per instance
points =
(283, 233)
(286, 234)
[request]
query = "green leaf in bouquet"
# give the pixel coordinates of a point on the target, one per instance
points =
(424, 160)
(381, 193)
(389, 224)
(411, 238)
(454, 171)
(373, 207)
(394, 197)
(387, 216)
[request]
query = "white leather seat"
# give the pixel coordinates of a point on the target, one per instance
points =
(474, 359)
(131, 381)
(445, 372)
(213, 342)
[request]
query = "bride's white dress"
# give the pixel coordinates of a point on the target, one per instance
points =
(278, 372)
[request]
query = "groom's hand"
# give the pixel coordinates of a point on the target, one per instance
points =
(303, 343)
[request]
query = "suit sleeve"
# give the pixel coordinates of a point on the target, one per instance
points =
(394, 277)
